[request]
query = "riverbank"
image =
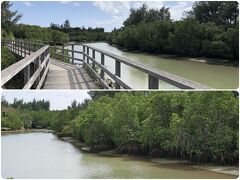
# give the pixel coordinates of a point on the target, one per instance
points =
(27, 131)
(55, 159)
(213, 61)
(229, 170)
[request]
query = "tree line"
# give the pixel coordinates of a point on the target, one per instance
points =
(196, 126)
(80, 34)
(11, 29)
(210, 29)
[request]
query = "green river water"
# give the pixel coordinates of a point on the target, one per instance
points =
(215, 76)
(43, 155)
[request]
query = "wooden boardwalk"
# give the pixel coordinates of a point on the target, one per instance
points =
(40, 70)
(60, 75)
(66, 76)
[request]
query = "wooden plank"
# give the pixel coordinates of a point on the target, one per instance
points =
(26, 74)
(102, 63)
(67, 76)
(88, 54)
(117, 72)
(36, 74)
(44, 76)
(153, 82)
(93, 56)
(12, 70)
(63, 52)
(72, 53)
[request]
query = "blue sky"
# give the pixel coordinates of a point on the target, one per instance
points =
(107, 14)
(58, 99)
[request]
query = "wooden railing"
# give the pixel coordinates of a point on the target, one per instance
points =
(90, 63)
(154, 75)
(34, 65)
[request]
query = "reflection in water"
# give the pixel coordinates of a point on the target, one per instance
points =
(43, 155)
(216, 76)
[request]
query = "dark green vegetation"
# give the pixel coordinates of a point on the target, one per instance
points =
(197, 126)
(80, 34)
(11, 30)
(54, 34)
(210, 29)
(8, 57)
(29, 32)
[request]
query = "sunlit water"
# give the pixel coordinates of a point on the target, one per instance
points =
(215, 76)
(43, 155)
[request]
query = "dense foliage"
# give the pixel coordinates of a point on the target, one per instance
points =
(197, 126)
(31, 32)
(210, 29)
(7, 57)
(8, 18)
(80, 34)
(11, 30)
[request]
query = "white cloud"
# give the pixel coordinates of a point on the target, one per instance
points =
(76, 4)
(123, 7)
(150, 4)
(28, 3)
(64, 2)
(178, 9)
(112, 7)
(119, 10)
(109, 24)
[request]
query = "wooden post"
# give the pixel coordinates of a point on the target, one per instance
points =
(117, 71)
(84, 52)
(15, 47)
(27, 74)
(88, 55)
(37, 63)
(29, 48)
(93, 56)
(72, 54)
(152, 82)
(21, 46)
(25, 48)
(63, 52)
(18, 49)
(102, 63)
(55, 51)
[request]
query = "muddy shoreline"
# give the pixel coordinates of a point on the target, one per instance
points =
(229, 170)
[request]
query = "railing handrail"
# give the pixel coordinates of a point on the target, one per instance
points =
(159, 74)
(14, 69)
(154, 74)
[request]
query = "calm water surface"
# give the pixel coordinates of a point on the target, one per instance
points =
(216, 76)
(43, 155)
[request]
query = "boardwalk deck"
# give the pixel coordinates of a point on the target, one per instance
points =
(65, 76)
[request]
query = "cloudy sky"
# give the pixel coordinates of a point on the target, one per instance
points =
(58, 99)
(107, 14)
